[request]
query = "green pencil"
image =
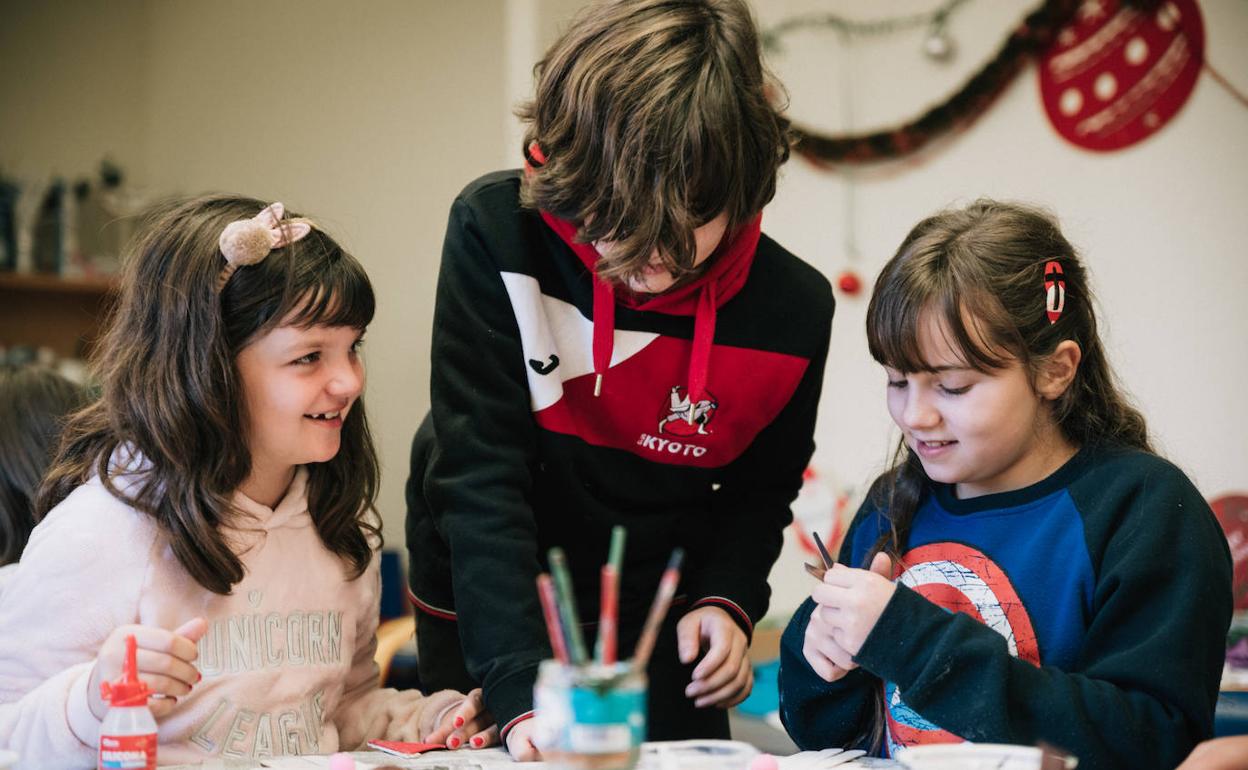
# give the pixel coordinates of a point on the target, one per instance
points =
(615, 556)
(567, 605)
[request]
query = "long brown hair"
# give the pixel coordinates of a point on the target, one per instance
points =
(34, 403)
(980, 272)
(171, 390)
(653, 118)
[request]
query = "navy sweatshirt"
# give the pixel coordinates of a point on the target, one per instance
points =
(525, 457)
(1089, 610)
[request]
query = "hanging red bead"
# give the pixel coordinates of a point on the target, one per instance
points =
(849, 282)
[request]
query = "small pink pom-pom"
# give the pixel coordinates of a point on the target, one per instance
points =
(341, 761)
(246, 242)
(764, 762)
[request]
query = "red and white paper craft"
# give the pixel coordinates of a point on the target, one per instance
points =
(1115, 75)
(1232, 513)
(404, 748)
(819, 508)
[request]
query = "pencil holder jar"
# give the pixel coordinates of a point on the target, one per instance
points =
(590, 717)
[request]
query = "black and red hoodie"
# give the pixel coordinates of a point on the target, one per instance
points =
(701, 427)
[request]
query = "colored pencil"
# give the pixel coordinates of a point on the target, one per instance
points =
(658, 610)
(828, 561)
(608, 616)
(550, 611)
(615, 556)
(606, 650)
(567, 605)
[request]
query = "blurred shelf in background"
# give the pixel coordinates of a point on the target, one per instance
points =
(54, 284)
(48, 311)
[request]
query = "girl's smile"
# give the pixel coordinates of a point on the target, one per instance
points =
(932, 450)
(328, 419)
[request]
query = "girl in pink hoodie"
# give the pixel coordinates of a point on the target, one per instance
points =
(217, 502)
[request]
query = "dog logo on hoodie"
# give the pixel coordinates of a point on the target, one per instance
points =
(682, 417)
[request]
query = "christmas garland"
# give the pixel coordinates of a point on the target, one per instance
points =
(1031, 38)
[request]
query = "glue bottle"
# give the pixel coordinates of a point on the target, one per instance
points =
(128, 734)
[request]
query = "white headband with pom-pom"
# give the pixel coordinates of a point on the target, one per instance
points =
(249, 241)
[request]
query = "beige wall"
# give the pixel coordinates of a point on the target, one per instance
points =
(72, 86)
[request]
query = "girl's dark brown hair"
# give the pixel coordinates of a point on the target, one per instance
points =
(653, 118)
(34, 404)
(171, 389)
(979, 272)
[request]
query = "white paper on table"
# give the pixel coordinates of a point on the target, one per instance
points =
(665, 755)
(829, 758)
(370, 760)
(698, 754)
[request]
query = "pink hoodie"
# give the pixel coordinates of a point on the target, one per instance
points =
(287, 661)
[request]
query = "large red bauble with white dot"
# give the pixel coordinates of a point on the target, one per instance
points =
(1115, 74)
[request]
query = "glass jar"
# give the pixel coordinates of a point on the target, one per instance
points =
(590, 717)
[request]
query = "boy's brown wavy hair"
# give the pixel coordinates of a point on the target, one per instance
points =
(653, 117)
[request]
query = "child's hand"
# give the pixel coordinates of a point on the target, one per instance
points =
(827, 658)
(520, 743)
(852, 600)
(163, 659)
(1230, 753)
(724, 677)
(466, 724)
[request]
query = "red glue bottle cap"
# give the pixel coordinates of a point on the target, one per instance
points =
(129, 690)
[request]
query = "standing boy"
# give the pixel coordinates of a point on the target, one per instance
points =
(615, 343)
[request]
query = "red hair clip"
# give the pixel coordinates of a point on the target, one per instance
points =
(1054, 290)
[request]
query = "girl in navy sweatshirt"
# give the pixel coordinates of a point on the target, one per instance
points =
(1029, 570)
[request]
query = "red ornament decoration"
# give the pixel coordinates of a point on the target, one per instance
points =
(820, 508)
(849, 282)
(1232, 513)
(1118, 72)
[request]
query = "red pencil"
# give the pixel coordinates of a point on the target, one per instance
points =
(550, 610)
(608, 615)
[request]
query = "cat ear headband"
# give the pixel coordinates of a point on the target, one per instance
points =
(249, 241)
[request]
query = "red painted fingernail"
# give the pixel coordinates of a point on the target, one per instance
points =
(459, 721)
(478, 741)
(455, 741)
